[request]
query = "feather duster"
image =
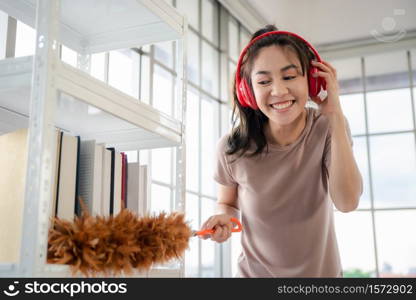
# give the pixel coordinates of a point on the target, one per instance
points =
(117, 244)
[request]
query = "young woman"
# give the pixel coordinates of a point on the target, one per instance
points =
(284, 164)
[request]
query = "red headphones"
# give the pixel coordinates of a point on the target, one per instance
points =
(244, 93)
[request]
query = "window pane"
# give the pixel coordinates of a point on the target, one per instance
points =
(144, 157)
(233, 39)
(361, 157)
(193, 57)
(123, 73)
(69, 56)
(396, 243)
(355, 229)
(353, 108)
(190, 9)
(393, 170)
(208, 246)
(210, 21)
(164, 53)
(225, 119)
(210, 74)
(386, 71)
(98, 66)
(413, 59)
(192, 142)
(160, 199)
(192, 254)
(209, 121)
(235, 252)
(244, 39)
(25, 40)
(389, 111)
(162, 90)
(145, 79)
(161, 165)
(349, 75)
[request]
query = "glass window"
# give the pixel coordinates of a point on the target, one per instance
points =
(353, 108)
(192, 141)
(98, 65)
(210, 69)
(145, 79)
(160, 199)
(349, 75)
(161, 165)
(389, 111)
(164, 53)
(354, 229)
(162, 90)
(244, 39)
(25, 40)
(396, 243)
(209, 135)
(233, 46)
(210, 21)
(386, 71)
(413, 61)
(208, 246)
(123, 71)
(192, 253)
(236, 249)
(393, 170)
(69, 56)
(190, 8)
(193, 57)
(361, 157)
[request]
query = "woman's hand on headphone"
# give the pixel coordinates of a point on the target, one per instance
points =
(331, 104)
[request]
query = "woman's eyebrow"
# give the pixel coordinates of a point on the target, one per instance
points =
(292, 66)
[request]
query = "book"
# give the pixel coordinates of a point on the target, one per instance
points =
(67, 179)
(13, 160)
(106, 182)
(133, 183)
(90, 176)
(55, 170)
(112, 173)
(144, 189)
(117, 182)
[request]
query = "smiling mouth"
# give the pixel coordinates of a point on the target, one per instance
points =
(283, 105)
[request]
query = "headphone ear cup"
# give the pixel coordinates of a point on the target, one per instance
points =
(315, 83)
(247, 97)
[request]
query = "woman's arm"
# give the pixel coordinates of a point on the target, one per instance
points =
(345, 182)
(227, 200)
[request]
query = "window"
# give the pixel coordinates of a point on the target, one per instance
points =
(377, 101)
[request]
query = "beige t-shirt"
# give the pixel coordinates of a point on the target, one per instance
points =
(286, 210)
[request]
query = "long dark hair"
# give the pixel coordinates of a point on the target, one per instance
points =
(251, 122)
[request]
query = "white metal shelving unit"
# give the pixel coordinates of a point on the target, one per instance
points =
(41, 92)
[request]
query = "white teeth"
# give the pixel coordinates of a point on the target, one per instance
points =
(284, 105)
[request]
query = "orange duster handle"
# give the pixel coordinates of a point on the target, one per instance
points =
(211, 231)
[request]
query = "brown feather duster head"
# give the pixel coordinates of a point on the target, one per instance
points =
(119, 244)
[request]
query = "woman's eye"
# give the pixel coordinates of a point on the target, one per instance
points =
(289, 77)
(264, 82)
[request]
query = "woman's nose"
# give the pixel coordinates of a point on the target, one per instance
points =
(279, 88)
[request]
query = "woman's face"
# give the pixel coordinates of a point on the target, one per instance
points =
(280, 89)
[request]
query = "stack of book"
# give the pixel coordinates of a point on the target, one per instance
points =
(101, 176)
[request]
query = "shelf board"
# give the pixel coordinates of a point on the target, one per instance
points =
(90, 26)
(87, 107)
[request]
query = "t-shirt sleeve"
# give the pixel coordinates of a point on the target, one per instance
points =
(327, 151)
(222, 172)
